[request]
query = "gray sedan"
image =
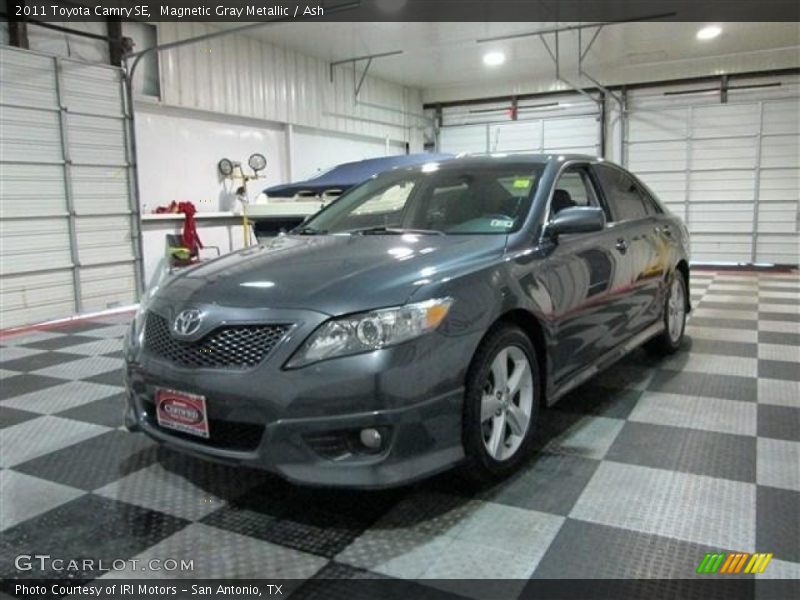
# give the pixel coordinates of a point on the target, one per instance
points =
(418, 323)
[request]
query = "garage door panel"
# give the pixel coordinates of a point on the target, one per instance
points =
(100, 190)
(103, 239)
(96, 140)
(29, 135)
(780, 152)
(657, 125)
(772, 217)
(723, 120)
(676, 208)
(669, 187)
(91, 89)
(722, 218)
(657, 156)
(778, 249)
(779, 184)
(517, 137)
(34, 245)
(105, 287)
(32, 190)
(47, 192)
(36, 297)
(27, 80)
(737, 153)
(569, 134)
(722, 186)
(781, 117)
(470, 138)
(722, 248)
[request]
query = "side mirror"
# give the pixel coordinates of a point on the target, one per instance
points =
(578, 219)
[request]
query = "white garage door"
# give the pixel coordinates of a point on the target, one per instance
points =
(68, 235)
(563, 124)
(730, 170)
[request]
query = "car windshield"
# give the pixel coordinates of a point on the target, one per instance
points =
(491, 199)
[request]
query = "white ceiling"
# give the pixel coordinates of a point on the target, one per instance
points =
(438, 57)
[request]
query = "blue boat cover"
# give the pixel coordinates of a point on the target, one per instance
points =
(348, 175)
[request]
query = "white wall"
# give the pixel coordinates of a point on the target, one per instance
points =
(314, 151)
(178, 153)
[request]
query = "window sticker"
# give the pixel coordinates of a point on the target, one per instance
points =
(504, 223)
(522, 183)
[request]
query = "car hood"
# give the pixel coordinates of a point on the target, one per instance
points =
(332, 274)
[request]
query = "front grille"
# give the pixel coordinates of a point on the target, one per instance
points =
(235, 346)
(227, 435)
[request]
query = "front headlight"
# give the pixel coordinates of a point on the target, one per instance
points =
(374, 330)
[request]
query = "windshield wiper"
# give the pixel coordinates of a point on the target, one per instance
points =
(308, 231)
(380, 230)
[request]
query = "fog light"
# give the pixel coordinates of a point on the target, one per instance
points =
(371, 438)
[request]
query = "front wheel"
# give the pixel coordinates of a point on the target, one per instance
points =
(501, 403)
(670, 339)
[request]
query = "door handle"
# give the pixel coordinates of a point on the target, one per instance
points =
(622, 246)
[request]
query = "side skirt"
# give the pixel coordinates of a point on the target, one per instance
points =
(604, 362)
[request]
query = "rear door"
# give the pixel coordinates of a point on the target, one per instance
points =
(585, 276)
(635, 223)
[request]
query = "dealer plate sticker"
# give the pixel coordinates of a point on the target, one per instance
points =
(182, 412)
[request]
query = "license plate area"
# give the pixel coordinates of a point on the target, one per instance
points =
(182, 412)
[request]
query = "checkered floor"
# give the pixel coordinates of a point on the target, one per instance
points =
(640, 472)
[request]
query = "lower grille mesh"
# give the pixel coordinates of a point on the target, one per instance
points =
(236, 346)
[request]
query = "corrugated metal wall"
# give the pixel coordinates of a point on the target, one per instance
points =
(244, 76)
(730, 170)
(66, 227)
(569, 123)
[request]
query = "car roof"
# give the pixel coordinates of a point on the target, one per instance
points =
(479, 160)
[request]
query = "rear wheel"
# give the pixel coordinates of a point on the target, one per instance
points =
(501, 403)
(670, 339)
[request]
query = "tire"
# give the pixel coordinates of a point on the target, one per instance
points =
(495, 445)
(668, 341)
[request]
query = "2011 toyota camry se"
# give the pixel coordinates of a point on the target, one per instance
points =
(418, 323)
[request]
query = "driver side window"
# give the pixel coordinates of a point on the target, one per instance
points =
(573, 188)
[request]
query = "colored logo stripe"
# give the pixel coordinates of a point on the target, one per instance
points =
(758, 563)
(734, 562)
(711, 563)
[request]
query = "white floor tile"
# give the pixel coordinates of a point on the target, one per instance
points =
(696, 412)
(25, 497)
(40, 436)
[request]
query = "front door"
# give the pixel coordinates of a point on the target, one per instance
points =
(587, 276)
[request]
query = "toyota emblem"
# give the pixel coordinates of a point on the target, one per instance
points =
(187, 322)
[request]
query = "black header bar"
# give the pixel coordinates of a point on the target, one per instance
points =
(538, 11)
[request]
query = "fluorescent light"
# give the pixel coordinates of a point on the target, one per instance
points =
(709, 32)
(494, 59)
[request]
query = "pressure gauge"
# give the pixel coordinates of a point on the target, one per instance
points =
(257, 162)
(225, 167)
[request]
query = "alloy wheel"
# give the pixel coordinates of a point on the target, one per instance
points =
(676, 310)
(507, 403)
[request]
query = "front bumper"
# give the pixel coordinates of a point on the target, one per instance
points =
(273, 419)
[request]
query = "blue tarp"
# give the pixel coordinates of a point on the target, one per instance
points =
(347, 175)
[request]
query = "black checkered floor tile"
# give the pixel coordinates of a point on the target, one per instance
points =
(639, 473)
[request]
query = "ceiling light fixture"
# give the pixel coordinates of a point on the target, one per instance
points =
(494, 59)
(709, 32)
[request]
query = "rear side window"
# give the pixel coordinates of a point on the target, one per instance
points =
(625, 198)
